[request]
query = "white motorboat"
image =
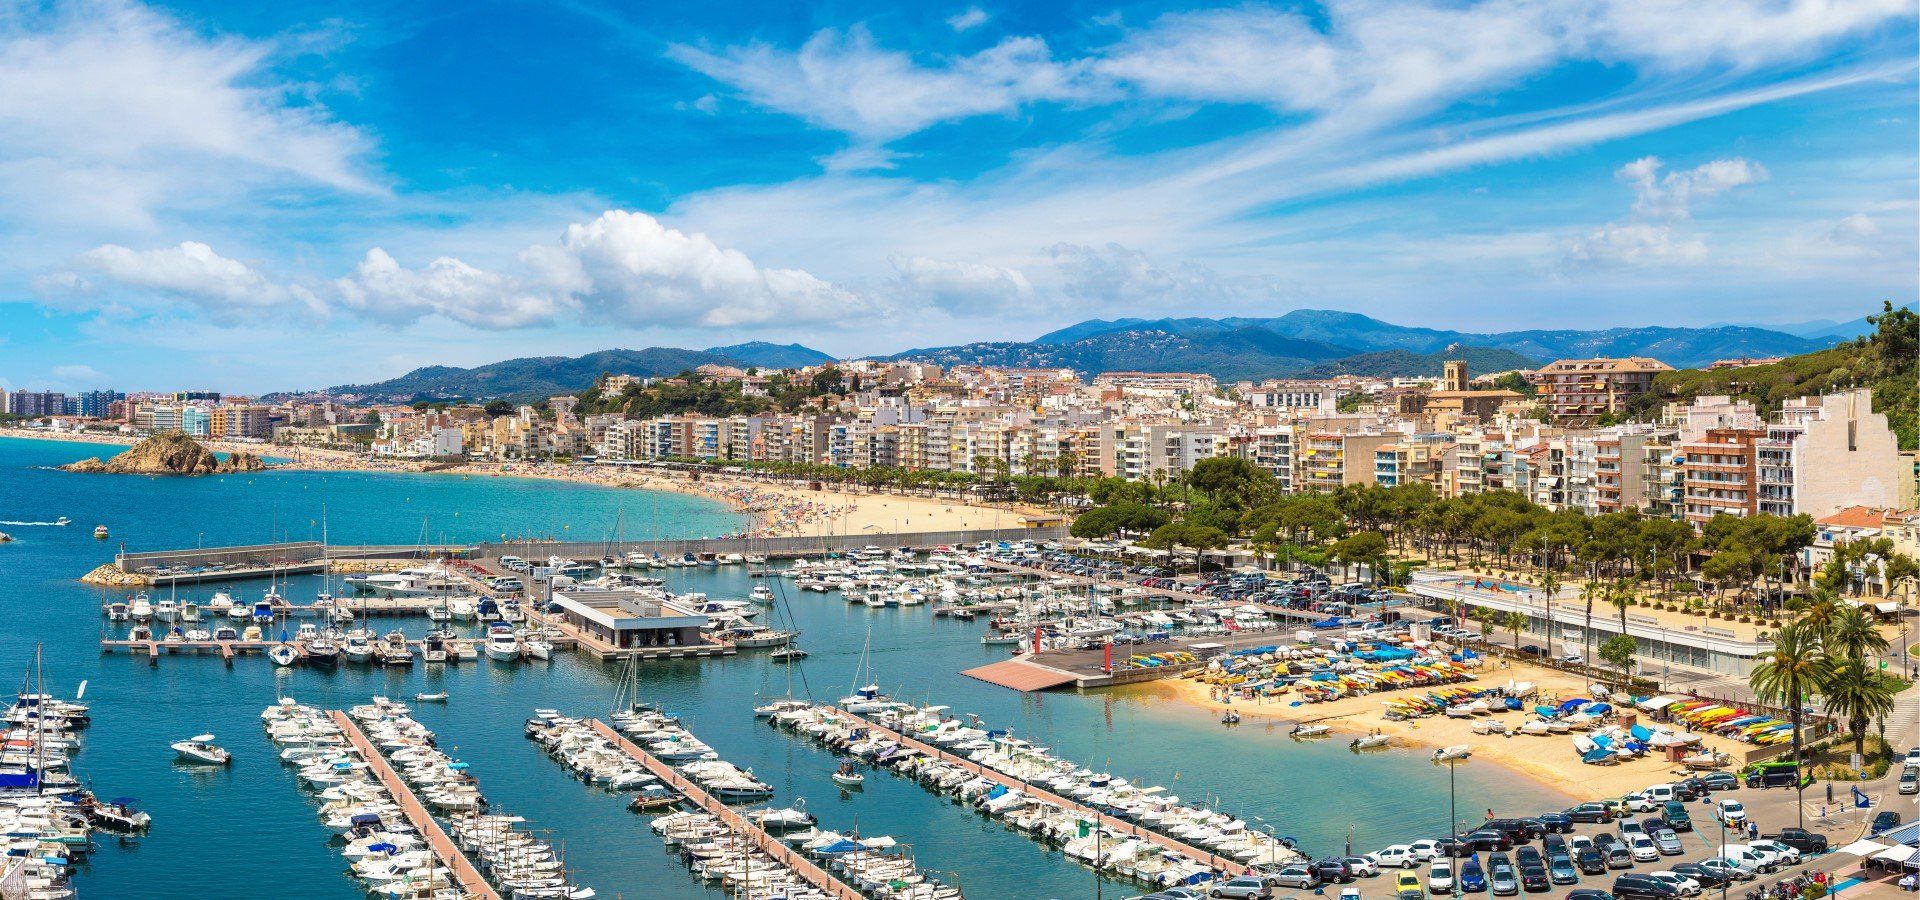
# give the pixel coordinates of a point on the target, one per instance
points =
(189, 611)
(848, 776)
(1368, 742)
(201, 750)
(1448, 754)
(142, 608)
(538, 649)
(435, 697)
(503, 645)
(1310, 731)
(419, 581)
(358, 646)
(787, 654)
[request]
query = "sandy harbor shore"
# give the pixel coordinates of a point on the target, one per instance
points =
(1548, 759)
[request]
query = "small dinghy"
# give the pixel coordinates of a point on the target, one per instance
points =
(435, 697)
(283, 655)
(1448, 754)
(848, 776)
(652, 798)
(1230, 717)
(1369, 742)
(201, 750)
(1310, 731)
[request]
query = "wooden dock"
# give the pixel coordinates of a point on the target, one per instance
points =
(1197, 854)
(464, 873)
(796, 862)
(227, 650)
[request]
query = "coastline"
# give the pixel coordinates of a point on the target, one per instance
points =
(774, 509)
(1548, 760)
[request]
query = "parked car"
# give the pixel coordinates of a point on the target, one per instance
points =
(1785, 854)
(1667, 842)
(1589, 894)
(1247, 887)
(1406, 886)
(1533, 878)
(1631, 827)
(1910, 781)
(1708, 878)
(1361, 866)
(1561, 870)
(1725, 869)
(1619, 857)
(1720, 781)
(1591, 812)
(1681, 884)
(1473, 878)
(1332, 871)
(1730, 813)
(1501, 877)
(1800, 839)
(1440, 877)
(1555, 823)
(1676, 817)
(1489, 839)
(1886, 820)
(1591, 861)
(1399, 856)
(1642, 887)
(1175, 893)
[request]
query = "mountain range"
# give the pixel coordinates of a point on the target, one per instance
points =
(1312, 343)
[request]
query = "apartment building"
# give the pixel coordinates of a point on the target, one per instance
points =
(1301, 396)
(244, 421)
(1718, 474)
(1419, 459)
(1333, 459)
(1577, 392)
(1619, 472)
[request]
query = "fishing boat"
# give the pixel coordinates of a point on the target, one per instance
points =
(434, 697)
(1448, 754)
(201, 750)
(848, 776)
(1310, 731)
(996, 638)
(283, 655)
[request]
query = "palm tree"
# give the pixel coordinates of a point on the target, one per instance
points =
(1796, 666)
(1515, 621)
(1854, 691)
(1851, 634)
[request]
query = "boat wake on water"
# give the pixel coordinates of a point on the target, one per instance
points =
(63, 520)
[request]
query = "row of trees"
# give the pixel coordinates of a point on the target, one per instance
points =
(1827, 652)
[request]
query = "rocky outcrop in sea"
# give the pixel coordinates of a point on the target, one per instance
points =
(172, 453)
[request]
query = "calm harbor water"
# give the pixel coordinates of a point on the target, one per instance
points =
(232, 833)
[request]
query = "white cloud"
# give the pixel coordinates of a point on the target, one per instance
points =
(622, 268)
(1650, 236)
(964, 288)
(1856, 227)
(1118, 276)
(111, 111)
(845, 82)
(1673, 195)
(192, 272)
(83, 375)
(1634, 244)
(1364, 59)
(967, 20)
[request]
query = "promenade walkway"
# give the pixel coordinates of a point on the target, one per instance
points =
(465, 875)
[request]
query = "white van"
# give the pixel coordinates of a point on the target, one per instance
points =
(1747, 859)
(513, 563)
(1661, 793)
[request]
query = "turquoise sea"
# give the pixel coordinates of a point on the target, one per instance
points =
(250, 832)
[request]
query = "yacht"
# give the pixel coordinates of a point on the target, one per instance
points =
(221, 603)
(119, 611)
(502, 645)
(419, 581)
(394, 649)
(189, 611)
(433, 647)
(462, 609)
(358, 647)
(166, 610)
(142, 608)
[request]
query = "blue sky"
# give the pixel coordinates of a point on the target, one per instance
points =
(292, 195)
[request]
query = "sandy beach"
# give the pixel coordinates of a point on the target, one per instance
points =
(781, 509)
(775, 508)
(1548, 759)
